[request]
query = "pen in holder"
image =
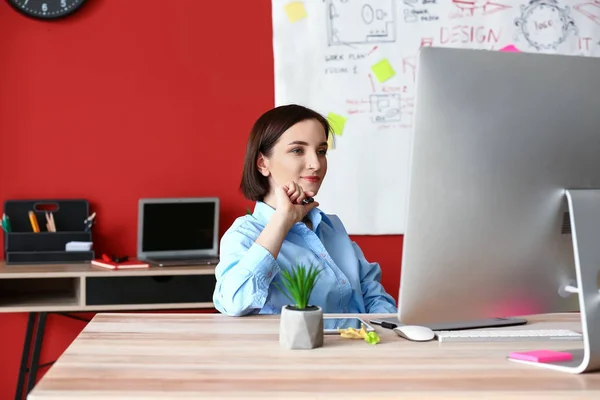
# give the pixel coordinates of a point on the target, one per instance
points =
(50, 224)
(34, 223)
(6, 223)
(89, 222)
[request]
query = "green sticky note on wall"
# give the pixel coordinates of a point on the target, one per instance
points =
(383, 70)
(337, 123)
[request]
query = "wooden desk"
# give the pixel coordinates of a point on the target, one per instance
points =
(166, 356)
(83, 287)
(60, 288)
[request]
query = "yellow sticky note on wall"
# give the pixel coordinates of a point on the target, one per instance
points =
(337, 122)
(383, 70)
(295, 11)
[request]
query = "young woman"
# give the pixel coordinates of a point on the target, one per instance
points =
(286, 163)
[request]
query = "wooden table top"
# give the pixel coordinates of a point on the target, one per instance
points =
(173, 356)
(87, 269)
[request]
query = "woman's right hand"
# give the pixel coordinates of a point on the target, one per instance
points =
(288, 211)
(289, 202)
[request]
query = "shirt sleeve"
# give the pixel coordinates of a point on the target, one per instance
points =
(244, 273)
(376, 299)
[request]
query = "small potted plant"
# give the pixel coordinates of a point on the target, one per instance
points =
(301, 324)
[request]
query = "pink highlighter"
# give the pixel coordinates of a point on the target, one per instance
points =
(541, 356)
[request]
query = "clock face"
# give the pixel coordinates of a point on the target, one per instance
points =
(46, 9)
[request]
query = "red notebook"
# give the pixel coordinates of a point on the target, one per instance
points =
(122, 265)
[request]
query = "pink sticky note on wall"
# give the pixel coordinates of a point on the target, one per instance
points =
(510, 49)
(541, 356)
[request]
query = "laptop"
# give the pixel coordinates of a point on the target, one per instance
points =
(178, 231)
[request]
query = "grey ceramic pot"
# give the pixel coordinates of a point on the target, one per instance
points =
(301, 329)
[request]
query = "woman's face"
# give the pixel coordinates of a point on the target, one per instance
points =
(299, 155)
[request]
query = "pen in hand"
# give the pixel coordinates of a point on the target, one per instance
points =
(305, 201)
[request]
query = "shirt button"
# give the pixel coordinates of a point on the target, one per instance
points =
(323, 255)
(270, 274)
(343, 282)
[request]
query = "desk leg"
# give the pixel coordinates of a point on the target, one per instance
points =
(32, 368)
(37, 349)
(37, 338)
(25, 356)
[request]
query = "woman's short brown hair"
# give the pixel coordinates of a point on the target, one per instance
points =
(264, 134)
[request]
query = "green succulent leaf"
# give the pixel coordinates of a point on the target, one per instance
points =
(298, 284)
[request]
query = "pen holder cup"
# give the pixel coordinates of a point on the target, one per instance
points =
(24, 246)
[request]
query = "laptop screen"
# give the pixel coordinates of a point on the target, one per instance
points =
(179, 226)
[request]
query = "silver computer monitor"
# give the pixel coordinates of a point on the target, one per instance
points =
(497, 139)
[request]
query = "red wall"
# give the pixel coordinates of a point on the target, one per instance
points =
(130, 99)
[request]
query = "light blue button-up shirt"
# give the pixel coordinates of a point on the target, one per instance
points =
(246, 271)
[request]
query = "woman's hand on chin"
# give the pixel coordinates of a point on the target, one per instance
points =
(289, 202)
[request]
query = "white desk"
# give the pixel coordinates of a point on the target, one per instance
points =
(172, 356)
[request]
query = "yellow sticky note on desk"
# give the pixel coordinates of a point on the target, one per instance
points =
(383, 70)
(295, 11)
(337, 123)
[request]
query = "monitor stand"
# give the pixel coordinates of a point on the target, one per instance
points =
(584, 209)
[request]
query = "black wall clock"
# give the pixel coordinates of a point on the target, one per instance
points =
(46, 9)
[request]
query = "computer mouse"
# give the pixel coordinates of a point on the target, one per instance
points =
(415, 333)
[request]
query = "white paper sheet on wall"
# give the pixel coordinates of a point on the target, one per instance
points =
(355, 62)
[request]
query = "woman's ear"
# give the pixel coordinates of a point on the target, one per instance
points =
(262, 163)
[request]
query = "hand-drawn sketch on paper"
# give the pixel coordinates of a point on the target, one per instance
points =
(545, 24)
(360, 22)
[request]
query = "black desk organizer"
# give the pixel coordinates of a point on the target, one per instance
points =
(23, 246)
